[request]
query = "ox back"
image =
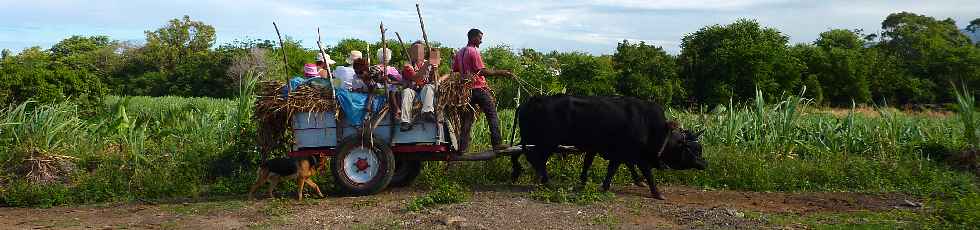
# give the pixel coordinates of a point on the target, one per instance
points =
(620, 128)
(593, 124)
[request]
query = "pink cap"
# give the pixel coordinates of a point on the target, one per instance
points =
(310, 70)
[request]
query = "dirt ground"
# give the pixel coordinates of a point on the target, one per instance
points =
(498, 207)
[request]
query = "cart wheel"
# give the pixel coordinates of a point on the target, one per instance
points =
(360, 170)
(405, 172)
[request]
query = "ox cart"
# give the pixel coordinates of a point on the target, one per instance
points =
(365, 164)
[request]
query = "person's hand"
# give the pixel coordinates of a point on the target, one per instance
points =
(507, 73)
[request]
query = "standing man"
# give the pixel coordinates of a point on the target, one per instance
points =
(468, 62)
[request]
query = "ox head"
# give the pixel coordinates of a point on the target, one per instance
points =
(683, 149)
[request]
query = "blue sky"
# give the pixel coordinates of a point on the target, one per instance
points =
(593, 26)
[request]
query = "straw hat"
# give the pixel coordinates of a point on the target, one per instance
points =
(321, 58)
(354, 55)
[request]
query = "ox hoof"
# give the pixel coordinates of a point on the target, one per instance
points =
(640, 184)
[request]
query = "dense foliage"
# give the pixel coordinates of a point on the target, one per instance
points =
(914, 60)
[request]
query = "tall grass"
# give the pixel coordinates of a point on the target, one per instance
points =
(164, 147)
(967, 110)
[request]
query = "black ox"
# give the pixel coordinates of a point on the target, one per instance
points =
(622, 130)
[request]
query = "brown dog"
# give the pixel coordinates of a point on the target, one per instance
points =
(302, 168)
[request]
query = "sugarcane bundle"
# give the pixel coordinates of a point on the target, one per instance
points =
(269, 88)
(272, 111)
(454, 101)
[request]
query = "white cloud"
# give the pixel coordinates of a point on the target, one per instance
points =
(545, 20)
(685, 5)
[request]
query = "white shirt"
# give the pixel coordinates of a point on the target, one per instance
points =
(346, 76)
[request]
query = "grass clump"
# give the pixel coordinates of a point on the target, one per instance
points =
(442, 193)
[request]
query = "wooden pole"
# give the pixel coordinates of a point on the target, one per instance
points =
(333, 88)
(285, 67)
(390, 96)
(401, 43)
(425, 37)
(323, 53)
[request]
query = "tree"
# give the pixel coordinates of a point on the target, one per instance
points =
(177, 59)
(731, 61)
(891, 84)
(840, 67)
(933, 51)
(47, 76)
(808, 53)
(95, 54)
(296, 55)
(648, 72)
(179, 38)
(587, 75)
(340, 52)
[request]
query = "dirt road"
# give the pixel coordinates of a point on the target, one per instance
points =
(501, 207)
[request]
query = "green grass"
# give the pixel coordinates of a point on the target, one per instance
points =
(171, 147)
(441, 193)
(607, 220)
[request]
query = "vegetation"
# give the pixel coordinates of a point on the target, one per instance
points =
(180, 124)
(910, 62)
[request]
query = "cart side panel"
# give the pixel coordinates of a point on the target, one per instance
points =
(421, 133)
(316, 129)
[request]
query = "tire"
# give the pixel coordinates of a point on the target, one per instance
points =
(405, 172)
(358, 170)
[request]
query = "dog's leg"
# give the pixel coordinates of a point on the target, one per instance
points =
(300, 182)
(273, 181)
(263, 177)
(315, 187)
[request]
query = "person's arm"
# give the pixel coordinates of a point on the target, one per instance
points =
(477, 61)
(497, 73)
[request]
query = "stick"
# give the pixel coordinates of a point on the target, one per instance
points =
(285, 67)
(333, 88)
(513, 126)
(384, 74)
(323, 53)
(405, 50)
(425, 37)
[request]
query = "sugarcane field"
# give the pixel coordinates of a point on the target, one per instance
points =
(336, 114)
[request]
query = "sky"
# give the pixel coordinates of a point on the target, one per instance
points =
(593, 26)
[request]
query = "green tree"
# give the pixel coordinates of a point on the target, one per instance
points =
(840, 67)
(53, 75)
(502, 57)
(808, 53)
(731, 61)
(340, 52)
(587, 75)
(648, 72)
(295, 54)
(891, 84)
(178, 39)
(932, 51)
